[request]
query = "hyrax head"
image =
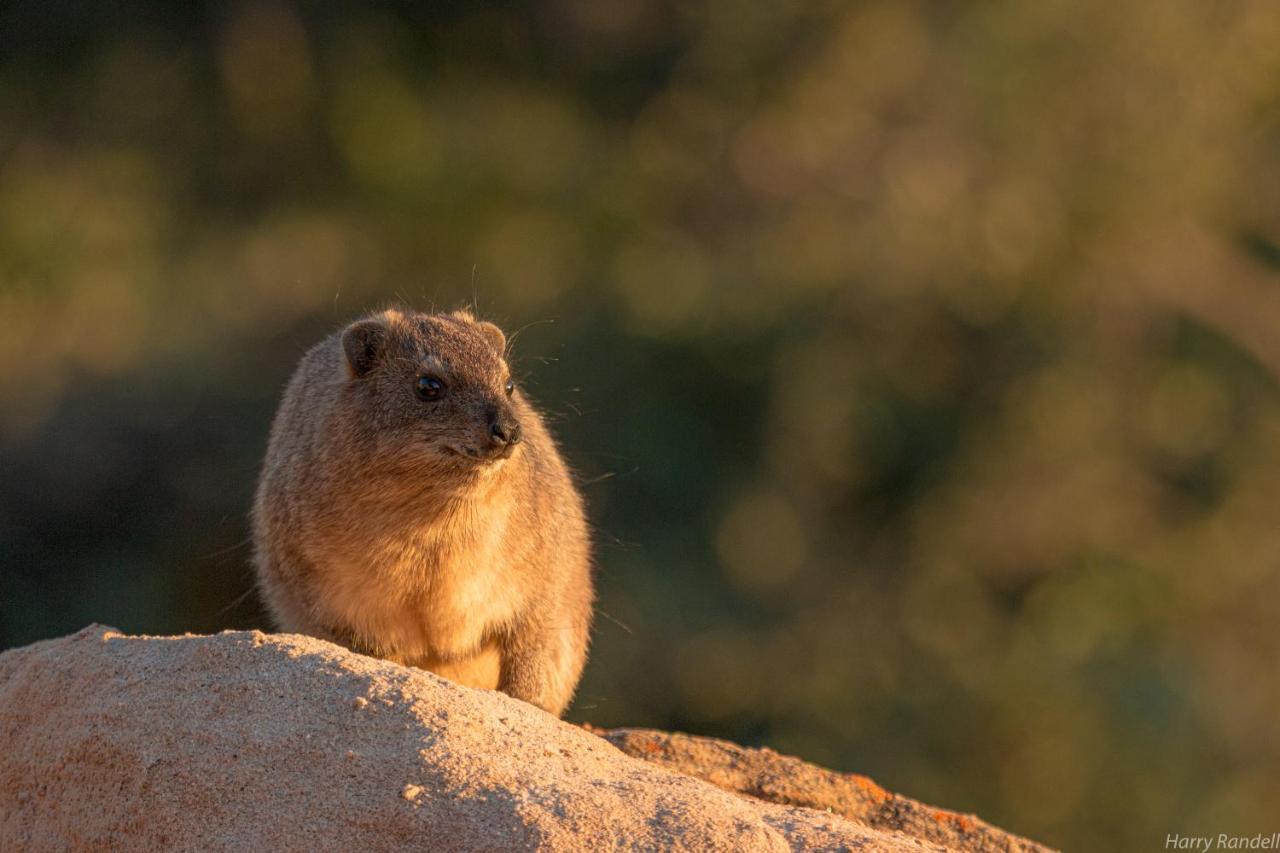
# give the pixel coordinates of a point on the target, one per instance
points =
(432, 384)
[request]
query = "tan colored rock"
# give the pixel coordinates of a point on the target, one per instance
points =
(766, 775)
(246, 741)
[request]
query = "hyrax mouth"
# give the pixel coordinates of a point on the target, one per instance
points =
(488, 455)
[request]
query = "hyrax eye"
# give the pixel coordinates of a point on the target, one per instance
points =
(511, 387)
(429, 388)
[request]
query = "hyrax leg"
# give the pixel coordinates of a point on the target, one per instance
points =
(541, 664)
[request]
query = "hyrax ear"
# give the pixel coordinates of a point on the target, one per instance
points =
(364, 342)
(493, 335)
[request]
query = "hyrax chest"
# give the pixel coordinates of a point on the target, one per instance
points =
(435, 592)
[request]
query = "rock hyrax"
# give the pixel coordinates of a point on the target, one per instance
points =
(413, 506)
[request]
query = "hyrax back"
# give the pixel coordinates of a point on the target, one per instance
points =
(413, 506)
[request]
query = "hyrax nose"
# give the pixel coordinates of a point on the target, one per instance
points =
(504, 431)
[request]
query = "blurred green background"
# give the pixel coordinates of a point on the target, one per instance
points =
(919, 360)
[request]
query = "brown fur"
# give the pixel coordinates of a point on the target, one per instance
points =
(376, 527)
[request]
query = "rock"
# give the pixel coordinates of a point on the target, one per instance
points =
(766, 775)
(246, 741)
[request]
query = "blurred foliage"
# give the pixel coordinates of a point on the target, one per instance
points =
(920, 359)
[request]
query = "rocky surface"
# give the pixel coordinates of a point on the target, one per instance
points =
(247, 741)
(766, 775)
